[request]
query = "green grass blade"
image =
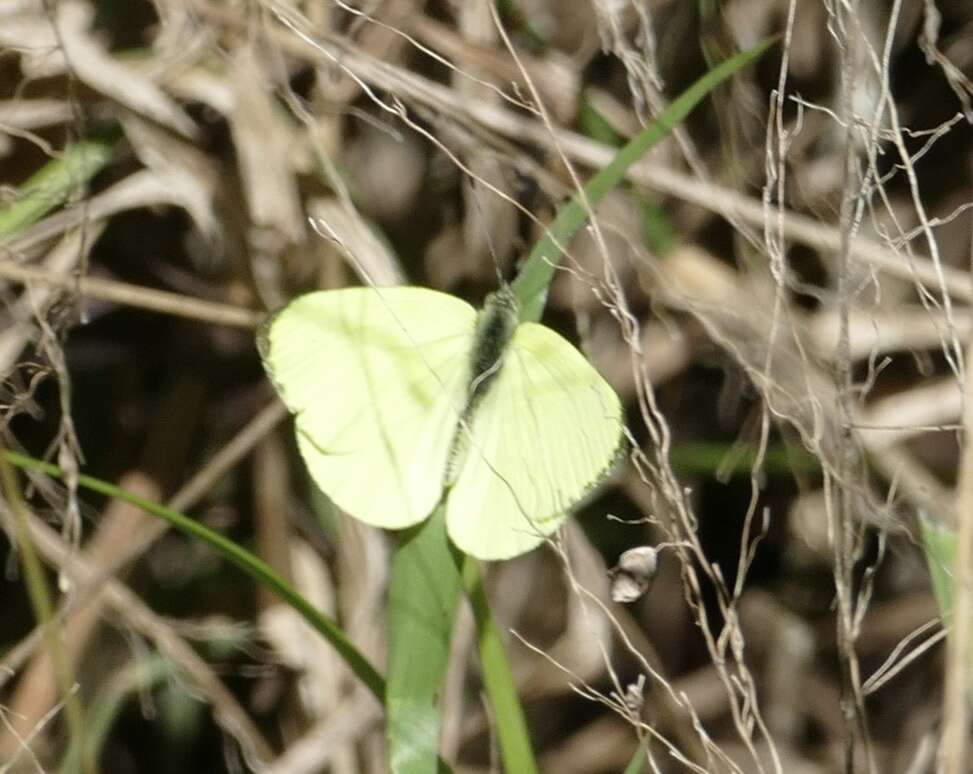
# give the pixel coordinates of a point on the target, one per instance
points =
(41, 600)
(511, 725)
(939, 545)
(52, 185)
(637, 764)
(594, 125)
(532, 282)
(423, 593)
(714, 458)
(237, 555)
(138, 676)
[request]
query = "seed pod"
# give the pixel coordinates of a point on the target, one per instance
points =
(631, 577)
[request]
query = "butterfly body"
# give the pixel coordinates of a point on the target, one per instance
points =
(495, 326)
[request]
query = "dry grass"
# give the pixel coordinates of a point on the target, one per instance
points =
(810, 299)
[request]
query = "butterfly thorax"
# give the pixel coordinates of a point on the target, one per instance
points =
(495, 326)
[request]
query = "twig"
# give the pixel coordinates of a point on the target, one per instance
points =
(313, 751)
(133, 295)
(227, 710)
(185, 498)
(955, 741)
(80, 610)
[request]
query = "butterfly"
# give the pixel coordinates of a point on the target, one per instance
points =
(403, 396)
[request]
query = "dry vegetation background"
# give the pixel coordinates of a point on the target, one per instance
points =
(793, 376)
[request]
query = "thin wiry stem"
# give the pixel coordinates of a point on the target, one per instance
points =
(133, 295)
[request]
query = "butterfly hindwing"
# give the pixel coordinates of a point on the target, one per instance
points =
(376, 378)
(545, 434)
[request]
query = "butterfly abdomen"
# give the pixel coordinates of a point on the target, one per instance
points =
(495, 326)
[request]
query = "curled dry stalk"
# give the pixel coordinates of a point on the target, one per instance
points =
(844, 528)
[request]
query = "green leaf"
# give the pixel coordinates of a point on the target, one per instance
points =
(939, 544)
(135, 677)
(637, 764)
(713, 458)
(515, 747)
(423, 592)
(595, 125)
(52, 185)
(658, 232)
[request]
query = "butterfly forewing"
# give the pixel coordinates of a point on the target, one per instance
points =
(548, 430)
(376, 378)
